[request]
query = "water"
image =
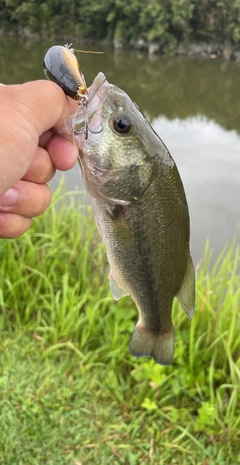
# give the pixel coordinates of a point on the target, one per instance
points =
(194, 106)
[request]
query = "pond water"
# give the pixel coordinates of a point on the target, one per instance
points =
(194, 106)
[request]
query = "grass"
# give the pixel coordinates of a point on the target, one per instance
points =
(70, 391)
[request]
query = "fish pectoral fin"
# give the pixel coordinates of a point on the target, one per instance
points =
(128, 184)
(158, 346)
(186, 295)
(117, 291)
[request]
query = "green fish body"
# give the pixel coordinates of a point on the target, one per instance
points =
(141, 213)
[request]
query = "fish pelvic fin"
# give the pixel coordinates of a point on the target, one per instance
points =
(158, 346)
(186, 294)
(117, 291)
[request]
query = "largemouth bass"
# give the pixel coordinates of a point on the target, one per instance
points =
(141, 213)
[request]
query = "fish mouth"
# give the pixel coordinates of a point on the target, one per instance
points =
(87, 119)
(97, 91)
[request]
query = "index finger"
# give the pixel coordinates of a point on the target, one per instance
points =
(26, 111)
(44, 102)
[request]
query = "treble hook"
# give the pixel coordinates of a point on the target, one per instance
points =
(83, 101)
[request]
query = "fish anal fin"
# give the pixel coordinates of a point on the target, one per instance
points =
(117, 291)
(186, 295)
(158, 346)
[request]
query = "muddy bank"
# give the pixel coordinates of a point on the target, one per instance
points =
(210, 50)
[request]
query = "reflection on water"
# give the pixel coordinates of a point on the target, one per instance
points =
(172, 92)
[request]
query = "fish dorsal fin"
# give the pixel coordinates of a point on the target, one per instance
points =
(186, 295)
(117, 291)
(128, 184)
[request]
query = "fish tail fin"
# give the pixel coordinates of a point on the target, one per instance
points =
(158, 346)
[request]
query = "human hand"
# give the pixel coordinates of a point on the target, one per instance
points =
(30, 150)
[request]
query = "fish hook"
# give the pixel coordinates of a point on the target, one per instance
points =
(83, 101)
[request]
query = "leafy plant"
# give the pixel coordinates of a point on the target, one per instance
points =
(167, 22)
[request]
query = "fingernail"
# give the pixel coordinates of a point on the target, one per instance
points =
(9, 198)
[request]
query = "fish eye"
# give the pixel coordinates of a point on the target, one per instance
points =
(122, 124)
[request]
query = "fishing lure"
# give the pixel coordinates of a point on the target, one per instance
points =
(62, 66)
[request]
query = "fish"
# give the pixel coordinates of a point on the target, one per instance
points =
(141, 213)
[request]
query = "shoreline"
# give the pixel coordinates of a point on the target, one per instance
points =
(211, 50)
(196, 49)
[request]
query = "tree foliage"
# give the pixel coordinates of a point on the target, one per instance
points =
(165, 21)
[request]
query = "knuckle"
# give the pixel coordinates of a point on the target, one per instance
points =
(44, 199)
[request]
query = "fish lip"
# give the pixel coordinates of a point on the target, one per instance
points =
(96, 94)
(96, 87)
